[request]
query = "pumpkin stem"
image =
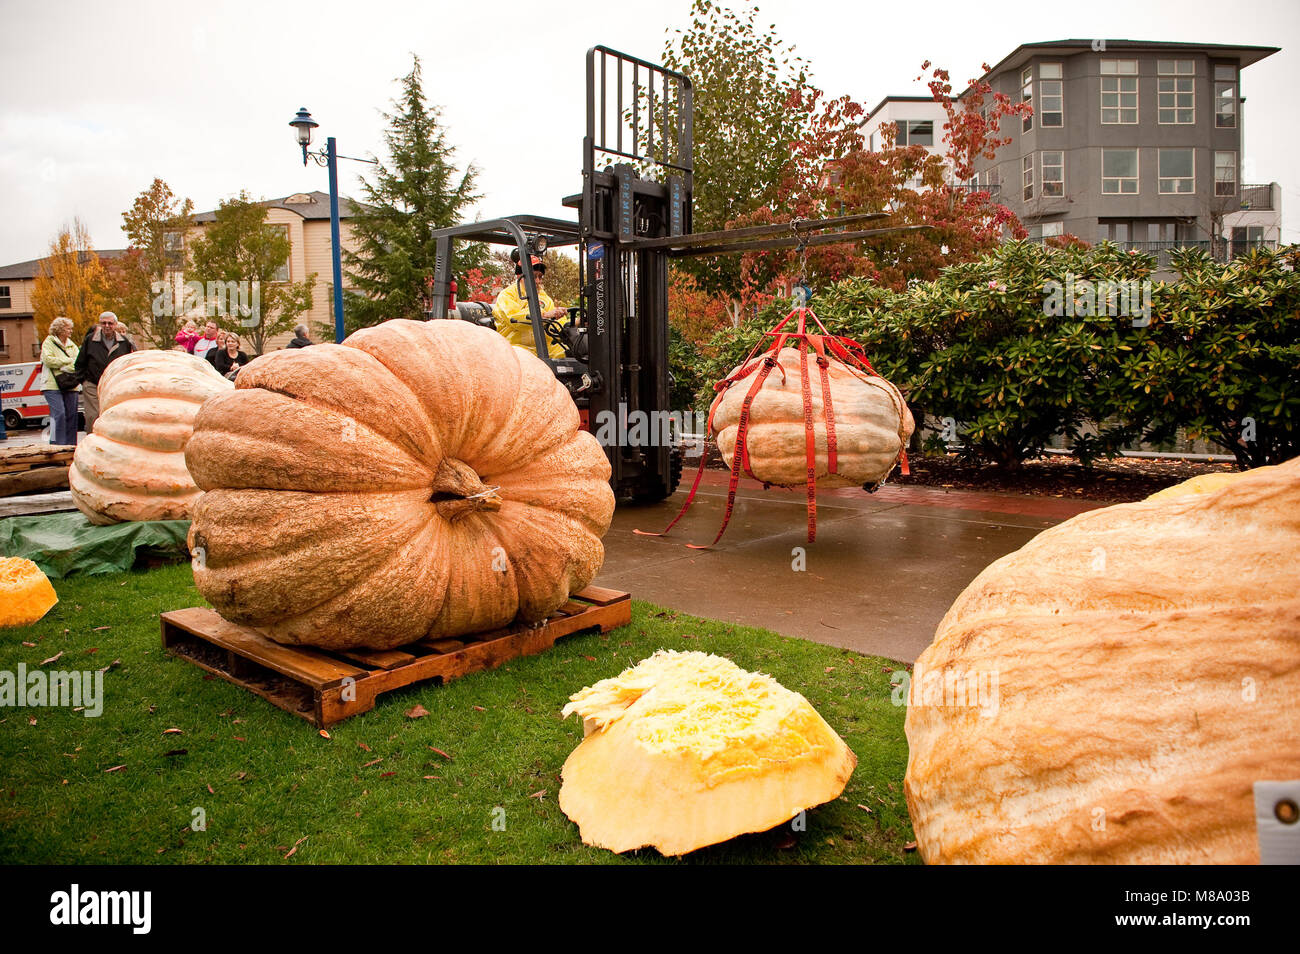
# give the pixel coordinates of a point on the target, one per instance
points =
(458, 491)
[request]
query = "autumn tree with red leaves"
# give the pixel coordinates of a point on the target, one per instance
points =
(832, 173)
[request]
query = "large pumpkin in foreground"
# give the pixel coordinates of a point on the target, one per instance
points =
(871, 421)
(132, 467)
(1135, 670)
(420, 479)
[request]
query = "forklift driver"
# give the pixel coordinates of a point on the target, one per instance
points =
(510, 310)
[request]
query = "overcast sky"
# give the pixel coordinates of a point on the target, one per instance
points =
(98, 98)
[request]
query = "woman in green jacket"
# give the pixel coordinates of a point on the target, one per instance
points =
(59, 356)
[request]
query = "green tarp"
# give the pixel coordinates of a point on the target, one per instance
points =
(65, 544)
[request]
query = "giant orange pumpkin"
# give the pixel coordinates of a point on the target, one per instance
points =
(420, 479)
(1112, 691)
(132, 467)
(871, 420)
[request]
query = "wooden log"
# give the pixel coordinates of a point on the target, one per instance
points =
(43, 478)
(29, 456)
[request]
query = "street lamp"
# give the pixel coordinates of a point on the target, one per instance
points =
(303, 125)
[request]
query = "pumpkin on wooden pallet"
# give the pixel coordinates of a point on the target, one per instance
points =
(685, 750)
(1144, 661)
(133, 466)
(809, 411)
(420, 479)
(25, 592)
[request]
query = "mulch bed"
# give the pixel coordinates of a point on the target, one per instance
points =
(1115, 481)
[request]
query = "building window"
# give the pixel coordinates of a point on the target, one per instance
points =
(1054, 174)
(1112, 231)
(1027, 176)
(1225, 95)
(871, 142)
(174, 249)
(1119, 92)
(1051, 229)
(1225, 173)
(4, 345)
(282, 273)
(1119, 171)
(5, 300)
(1027, 96)
(1175, 93)
(1051, 93)
(1177, 170)
(915, 132)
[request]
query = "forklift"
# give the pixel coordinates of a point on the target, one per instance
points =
(634, 214)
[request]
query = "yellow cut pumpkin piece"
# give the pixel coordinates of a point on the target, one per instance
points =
(25, 593)
(685, 750)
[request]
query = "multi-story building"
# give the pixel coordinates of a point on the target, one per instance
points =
(18, 340)
(305, 219)
(1130, 141)
(304, 216)
(919, 121)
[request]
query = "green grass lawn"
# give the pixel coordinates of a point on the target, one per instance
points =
(273, 789)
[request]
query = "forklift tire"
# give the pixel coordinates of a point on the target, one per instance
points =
(675, 461)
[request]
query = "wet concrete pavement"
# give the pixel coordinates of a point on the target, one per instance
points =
(882, 573)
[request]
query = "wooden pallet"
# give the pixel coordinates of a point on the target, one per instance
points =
(325, 687)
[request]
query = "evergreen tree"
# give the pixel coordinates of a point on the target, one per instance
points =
(417, 190)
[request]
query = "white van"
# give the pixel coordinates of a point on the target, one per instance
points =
(20, 394)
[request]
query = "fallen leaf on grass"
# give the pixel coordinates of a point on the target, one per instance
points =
(115, 768)
(100, 629)
(416, 711)
(324, 734)
(589, 658)
(433, 776)
(441, 752)
(296, 844)
(363, 746)
(172, 732)
(910, 846)
(373, 762)
(210, 791)
(29, 645)
(54, 658)
(240, 738)
(830, 669)
(865, 808)
(386, 774)
(538, 795)
(480, 709)
(31, 720)
(92, 650)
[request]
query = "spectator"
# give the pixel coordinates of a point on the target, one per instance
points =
(188, 335)
(209, 340)
(104, 343)
(230, 359)
(301, 338)
(59, 382)
(221, 346)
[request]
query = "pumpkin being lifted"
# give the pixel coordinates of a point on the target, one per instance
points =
(420, 479)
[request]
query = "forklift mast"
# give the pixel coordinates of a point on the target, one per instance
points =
(634, 214)
(639, 128)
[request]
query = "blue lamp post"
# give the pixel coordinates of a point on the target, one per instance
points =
(328, 157)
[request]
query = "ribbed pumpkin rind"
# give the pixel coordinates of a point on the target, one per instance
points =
(132, 467)
(1148, 673)
(872, 425)
(320, 525)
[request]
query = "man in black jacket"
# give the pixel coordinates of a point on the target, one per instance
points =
(301, 338)
(103, 343)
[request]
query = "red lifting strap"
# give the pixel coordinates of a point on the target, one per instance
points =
(847, 351)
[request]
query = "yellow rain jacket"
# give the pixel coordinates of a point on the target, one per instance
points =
(510, 312)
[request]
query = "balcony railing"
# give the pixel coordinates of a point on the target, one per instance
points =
(1221, 251)
(1257, 198)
